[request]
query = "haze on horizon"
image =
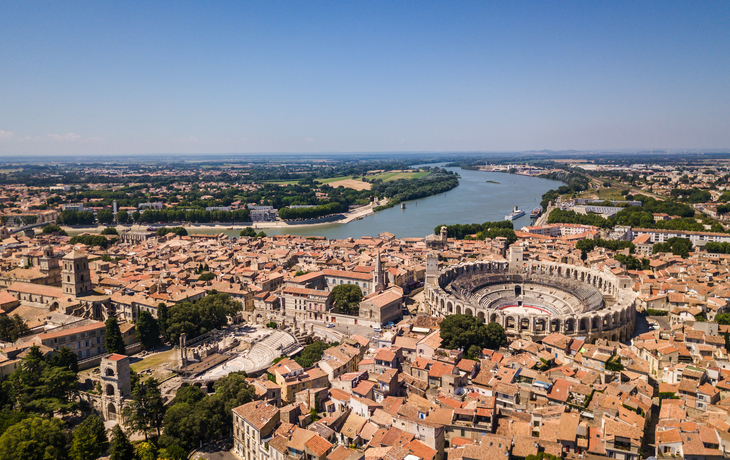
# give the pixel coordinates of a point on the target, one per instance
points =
(116, 78)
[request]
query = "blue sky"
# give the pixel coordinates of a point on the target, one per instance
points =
(105, 78)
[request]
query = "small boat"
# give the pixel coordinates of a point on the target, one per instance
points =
(514, 214)
(536, 212)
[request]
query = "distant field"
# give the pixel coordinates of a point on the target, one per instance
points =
(390, 176)
(329, 180)
(6, 171)
(604, 193)
(282, 182)
(351, 183)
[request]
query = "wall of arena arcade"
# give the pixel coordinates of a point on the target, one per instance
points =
(614, 321)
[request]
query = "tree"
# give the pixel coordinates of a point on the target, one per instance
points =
(136, 215)
(466, 332)
(121, 448)
(234, 390)
(114, 342)
(89, 439)
(496, 336)
(173, 452)
(726, 336)
(53, 228)
(146, 410)
(188, 394)
(196, 318)
(261, 234)
(146, 451)
(347, 298)
(311, 354)
(208, 276)
(34, 438)
(162, 317)
(147, 329)
(105, 216)
(123, 217)
(66, 359)
(677, 246)
(248, 231)
(723, 318)
(110, 231)
(39, 386)
(12, 328)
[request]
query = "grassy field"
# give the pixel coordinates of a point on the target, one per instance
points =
(329, 180)
(605, 193)
(157, 363)
(282, 182)
(390, 176)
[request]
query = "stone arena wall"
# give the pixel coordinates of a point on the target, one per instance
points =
(611, 318)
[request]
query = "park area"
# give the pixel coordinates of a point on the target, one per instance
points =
(358, 184)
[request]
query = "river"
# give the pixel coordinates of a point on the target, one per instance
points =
(474, 200)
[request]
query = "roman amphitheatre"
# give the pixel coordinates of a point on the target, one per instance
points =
(532, 299)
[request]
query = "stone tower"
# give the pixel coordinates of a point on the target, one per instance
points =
(49, 266)
(116, 384)
(378, 275)
(76, 277)
(516, 257)
(444, 235)
(432, 268)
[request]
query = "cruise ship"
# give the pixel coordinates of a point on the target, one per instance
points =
(536, 212)
(514, 214)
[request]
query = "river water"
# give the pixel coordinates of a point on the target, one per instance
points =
(474, 201)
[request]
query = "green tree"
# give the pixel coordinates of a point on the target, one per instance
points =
(12, 328)
(465, 332)
(234, 390)
(120, 447)
(34, 438)
(89, 439)
(105, 216)
(162, 317)
(66, 359)
(311, 354)
(40, 387)
(204, 315)
(53, 228)
(723, 318)
(248, 231)
(146, 451)
(677, 246)
(173, 452)
(114, 342)
(123, 217)
(146, 410)
(261, 234)
(147, 329)
(208, 276)
(496, 337)
(110, 231)
(347, 298)
(188, 394)
(726, 336)
(136, 215)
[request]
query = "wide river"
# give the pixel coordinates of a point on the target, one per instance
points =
(474, 201)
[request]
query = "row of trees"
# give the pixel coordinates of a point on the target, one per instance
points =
(588, 245)
(93, 240)
(437, 181)
(460, 231)
(314, 212)
(193, 215)
(71, 217)
(198, 317)
(677, 246)
(717, 248)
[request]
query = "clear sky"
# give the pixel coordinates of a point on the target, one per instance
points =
(108, 78)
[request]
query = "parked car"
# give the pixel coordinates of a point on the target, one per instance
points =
(331, 325)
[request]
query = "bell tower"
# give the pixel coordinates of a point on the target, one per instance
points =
(432, 268)
(75, 274)
(378, 275)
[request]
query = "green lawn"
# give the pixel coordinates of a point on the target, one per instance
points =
(282, 182)
(329, 180)
(157, 362)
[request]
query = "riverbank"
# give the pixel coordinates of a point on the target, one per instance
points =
(356, 214)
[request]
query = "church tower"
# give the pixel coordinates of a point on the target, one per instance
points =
(378, 275)
(49, 267)
(76, 277)
(432, 268)
(444, 236)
